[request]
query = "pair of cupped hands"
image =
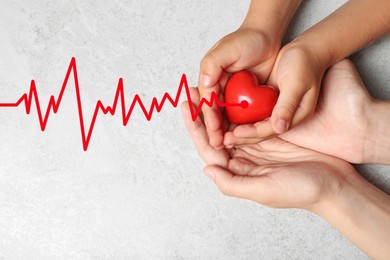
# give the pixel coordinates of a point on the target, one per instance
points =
(300, 156)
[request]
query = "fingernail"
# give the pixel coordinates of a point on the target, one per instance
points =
(209, 173)
(239, 132)
(229, 146)
(205, 80)
(281, 126)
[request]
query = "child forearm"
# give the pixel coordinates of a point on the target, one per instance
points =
(271, 16)
(353, 26)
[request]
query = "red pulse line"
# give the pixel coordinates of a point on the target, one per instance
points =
(54, 103)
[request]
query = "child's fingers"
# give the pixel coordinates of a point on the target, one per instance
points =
(297, 74)
(284, 110)
(289, 101)
(254, 133)
(249, 133)
(211, 74)
(293, 111)
(262, 129)
(220, 57)
(237, 141)
(294, 104)
(306, 107)
(210, 71)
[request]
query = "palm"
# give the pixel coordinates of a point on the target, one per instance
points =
(287, 175)
(276, 172)
(338, 126)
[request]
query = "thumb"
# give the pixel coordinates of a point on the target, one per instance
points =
(295, 104)
(210, 71)
(246, 187)
(285, 108)
(219, 58)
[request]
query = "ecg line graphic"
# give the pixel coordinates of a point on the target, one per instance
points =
(86, 133)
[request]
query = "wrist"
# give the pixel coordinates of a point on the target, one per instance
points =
(270, 17)
(377, 140)
(320, 52)
(312, 58)
(361, 212)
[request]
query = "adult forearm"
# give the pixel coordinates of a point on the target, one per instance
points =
(361, 212)
(353, 26)
(271, 16)
(377, 145)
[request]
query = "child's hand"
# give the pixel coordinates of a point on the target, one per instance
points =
(253, 47)
(301, 64)
(245, 49)
(297, 73)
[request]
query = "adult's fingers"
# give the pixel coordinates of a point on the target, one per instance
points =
(199, 136)
(255, 188)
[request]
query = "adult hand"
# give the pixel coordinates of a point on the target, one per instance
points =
(347, 123)
(277, 173)
(274, 172)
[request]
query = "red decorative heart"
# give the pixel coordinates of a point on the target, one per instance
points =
(257, 101)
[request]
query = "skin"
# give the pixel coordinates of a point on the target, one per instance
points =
(296, 69)
(347, 123)
(278, 173)
(253, 47)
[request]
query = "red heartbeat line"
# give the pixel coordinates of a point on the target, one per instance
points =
(54, 103)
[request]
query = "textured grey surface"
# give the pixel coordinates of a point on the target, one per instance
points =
(138, 192)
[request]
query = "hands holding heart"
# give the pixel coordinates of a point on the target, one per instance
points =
(294, 169)
(257, 103)
(259, 100)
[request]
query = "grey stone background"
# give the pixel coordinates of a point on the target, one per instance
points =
(138, 192)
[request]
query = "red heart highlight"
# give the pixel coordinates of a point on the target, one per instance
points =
(257, 101)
